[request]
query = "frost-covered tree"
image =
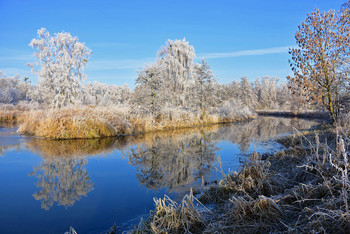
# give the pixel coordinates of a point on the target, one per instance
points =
(100, 94)
(204, 92)
(151, 92)
(284, 96)
(232, 91)
(257, 89)
(269, 89)
(222, 91)
(247, 94)
(177, 59)
(12, 89)
(61, 60)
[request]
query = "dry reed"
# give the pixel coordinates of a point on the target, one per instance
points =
(171, 217)
(95, 122)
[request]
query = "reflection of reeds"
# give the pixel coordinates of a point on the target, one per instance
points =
(70, 148)
(176, 135)
(294, 114)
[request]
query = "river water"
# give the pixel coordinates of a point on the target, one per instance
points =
(48, 186)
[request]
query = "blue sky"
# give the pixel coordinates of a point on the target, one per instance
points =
(239, 38)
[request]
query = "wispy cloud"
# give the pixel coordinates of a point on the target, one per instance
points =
(108, 45)
(273, 50)
(97, 65)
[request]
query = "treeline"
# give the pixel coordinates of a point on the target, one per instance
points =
(265, 93)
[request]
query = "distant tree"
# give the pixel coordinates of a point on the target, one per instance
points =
(247, 95)
(61, 59)
(150, 93)
(269, 90)
(225, 92)
(204, 88)
(101, 94)
(318, 63)
(233, 90)
(284, 96)
(257, 90)
(12, 89)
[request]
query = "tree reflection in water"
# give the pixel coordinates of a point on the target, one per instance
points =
(62, 176)
(61, 180)
(173, 161)
(262, 129)
(184, 157)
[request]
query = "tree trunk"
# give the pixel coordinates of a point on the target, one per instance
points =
(330, 104)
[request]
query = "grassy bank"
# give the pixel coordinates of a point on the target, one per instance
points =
(303, 188)
(94, 122)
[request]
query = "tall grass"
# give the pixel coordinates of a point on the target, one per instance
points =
(95, 122)
(73, 123)
(10, 113)
(170, 216)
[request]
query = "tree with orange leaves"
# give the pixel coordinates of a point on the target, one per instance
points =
(318, 64)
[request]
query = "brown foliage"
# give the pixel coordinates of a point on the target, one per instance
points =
(318, 64)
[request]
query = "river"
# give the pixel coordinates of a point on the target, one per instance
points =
(47, 186)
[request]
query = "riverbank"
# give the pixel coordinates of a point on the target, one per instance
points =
(82, 122)
(294, 114)
(303, 188)
(96, 122)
